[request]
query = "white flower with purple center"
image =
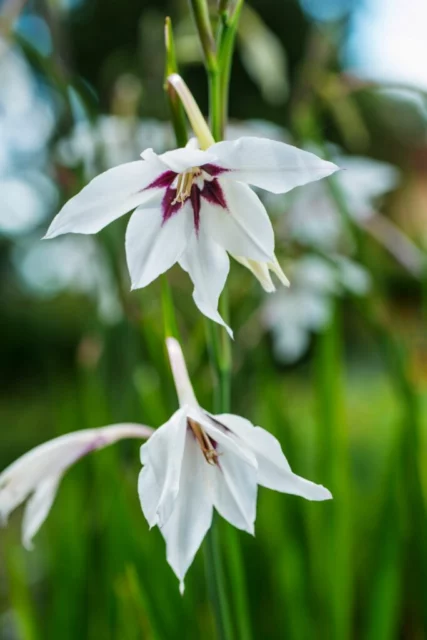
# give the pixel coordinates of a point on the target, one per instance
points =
(194, 207)
(197, 462)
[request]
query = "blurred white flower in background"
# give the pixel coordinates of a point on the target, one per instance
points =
(312, 218)
(26, 123)
(112, 140)
(72, 264)
(313, 221)
(26, 198)
(295, 314)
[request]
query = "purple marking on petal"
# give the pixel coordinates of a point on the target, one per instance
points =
(213, 169)
(195, 201)
(217, 422)
(213, 193)
(165, 179)
(169, 207)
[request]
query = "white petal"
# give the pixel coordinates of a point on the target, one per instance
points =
(260, 271)
(274, 166)
(153, 246)
(149, 493)
(233, 485)
(163, 453)
(180, 160)
(38, 508)
(53, 458)
(244, 229)
(274, 471)
(223, 436)
(207, 265)
(106, 198)
(192, 514)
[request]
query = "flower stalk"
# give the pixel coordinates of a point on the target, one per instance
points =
(171, 67)
(220, 347)
(202, 20)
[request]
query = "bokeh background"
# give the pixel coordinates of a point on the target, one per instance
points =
(335, 366)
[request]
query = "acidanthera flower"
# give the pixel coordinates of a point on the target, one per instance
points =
(194, 206)
(39, 472)
(197, 462)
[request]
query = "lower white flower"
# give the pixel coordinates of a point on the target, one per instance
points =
(197, 462)
(39, 472)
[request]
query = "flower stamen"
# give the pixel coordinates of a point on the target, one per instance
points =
(184, 184)
(206, 445)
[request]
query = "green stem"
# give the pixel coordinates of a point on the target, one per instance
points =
(216, 110)
(226, 38)
(216, 583)
(201, 17)
(220, 352)
(175, 104)
(333, 445)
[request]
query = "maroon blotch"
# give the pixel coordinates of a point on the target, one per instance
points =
(213, 193)
(195, 201)
(163, 180)
(213, 169)
(169, 206)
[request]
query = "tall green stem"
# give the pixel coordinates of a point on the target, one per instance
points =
(216, 111)
(218, 61)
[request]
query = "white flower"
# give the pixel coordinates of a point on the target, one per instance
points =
(193, 207)
(306, 308)
(39, 472)
(197, 461)
(313, 218)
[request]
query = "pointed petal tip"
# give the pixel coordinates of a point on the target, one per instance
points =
(181, 587)
(319, 493)
(27, 543)
(50, 233)
(333, 168)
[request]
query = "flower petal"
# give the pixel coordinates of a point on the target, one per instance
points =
(207, 265)
(233, 485)
(274, 166)
(244, 228)
(149, 493)
(105, 198)
(192, 513)
(181, 160)
(38, 508)
(274, 471)
(223, 436)
(50, 460)
(154, 245)
(260, 270)
(163, 454)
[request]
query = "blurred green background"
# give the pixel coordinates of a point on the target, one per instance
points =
(335, 367)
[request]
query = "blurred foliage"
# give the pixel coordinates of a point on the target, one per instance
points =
(351, 409)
